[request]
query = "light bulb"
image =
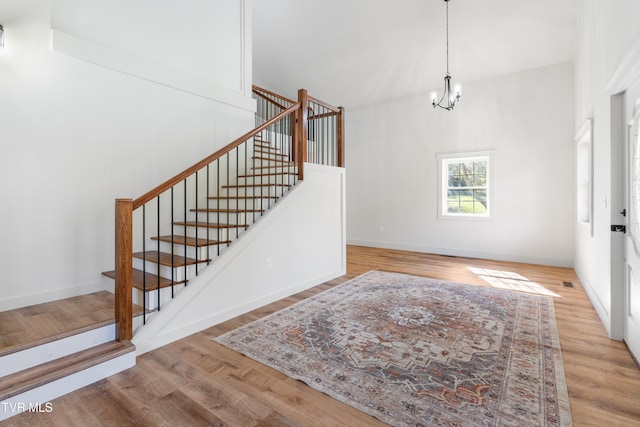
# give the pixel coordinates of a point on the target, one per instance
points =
(457, 89)
(434, 96)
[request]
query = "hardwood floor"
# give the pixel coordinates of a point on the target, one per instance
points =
(196, 381)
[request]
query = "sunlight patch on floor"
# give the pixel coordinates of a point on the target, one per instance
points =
(511, 281)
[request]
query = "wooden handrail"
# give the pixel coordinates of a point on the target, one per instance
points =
(213, 157)
(324, 104)
(325, 115)
(275, 95)
(277, 104)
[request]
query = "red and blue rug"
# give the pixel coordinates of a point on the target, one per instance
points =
(413, 351)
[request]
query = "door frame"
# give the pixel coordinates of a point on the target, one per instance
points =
(623, 78)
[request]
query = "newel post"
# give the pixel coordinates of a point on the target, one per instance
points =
(124, 266)
(303, 129)
(341, 137)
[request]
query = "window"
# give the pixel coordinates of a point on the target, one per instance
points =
(465, 189)
(584, 172)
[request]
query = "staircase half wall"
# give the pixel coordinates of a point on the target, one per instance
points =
(299, 244)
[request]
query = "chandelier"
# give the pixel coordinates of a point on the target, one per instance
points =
(449, 97)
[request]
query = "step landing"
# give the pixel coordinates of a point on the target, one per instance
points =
(52, 349)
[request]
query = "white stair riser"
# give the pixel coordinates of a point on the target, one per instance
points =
(165, 271)
(34, 356)
(272, 169)
(281, 145)
(251, 203)
(268, 154)
(151, 297)
(214, 233)
(242, 218)
(262, 191)
(200, 253)
(268, 179)
(260, 161)
(42, 396)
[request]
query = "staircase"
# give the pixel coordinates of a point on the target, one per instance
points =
(44, 366)
(182, 225)
(250, 187)
(167, 237)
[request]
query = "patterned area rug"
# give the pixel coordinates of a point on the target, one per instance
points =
(420, 352)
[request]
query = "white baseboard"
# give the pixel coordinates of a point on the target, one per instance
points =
(596, 302)
(464, 253)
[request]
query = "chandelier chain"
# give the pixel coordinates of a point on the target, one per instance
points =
(447, 2)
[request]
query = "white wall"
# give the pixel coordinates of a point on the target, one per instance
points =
(87, 122)
(606, 31)
(201, 38)
(303, 237)
(525, 118)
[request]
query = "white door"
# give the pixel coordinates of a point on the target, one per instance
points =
(632, 239)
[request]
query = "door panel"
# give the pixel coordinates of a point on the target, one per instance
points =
(633, 298)
(632, 240)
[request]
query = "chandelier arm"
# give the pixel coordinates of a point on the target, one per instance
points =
(440, 101)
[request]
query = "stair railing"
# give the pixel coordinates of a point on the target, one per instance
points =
(168, 214)
(269, 104)
(325, 124)
(163, 214)
(326, 133)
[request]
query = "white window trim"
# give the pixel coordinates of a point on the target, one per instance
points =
(442, 195)
(584, 175)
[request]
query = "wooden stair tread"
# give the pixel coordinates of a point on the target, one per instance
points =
(210, 224)
(255, 185)
(270, 153)
(286, 172)
(166, 259)
(189, 241)
(20, 329)
(266, 159)
(231, 211)
(26, 380)
(55, 320)
(291, 166)
(265, 146)
(242, 197)
(146, 281)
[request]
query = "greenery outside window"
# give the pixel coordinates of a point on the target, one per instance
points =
(465, 185)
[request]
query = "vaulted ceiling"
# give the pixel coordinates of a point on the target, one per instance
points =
(354, 52)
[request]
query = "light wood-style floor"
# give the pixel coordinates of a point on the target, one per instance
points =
(196, 381)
